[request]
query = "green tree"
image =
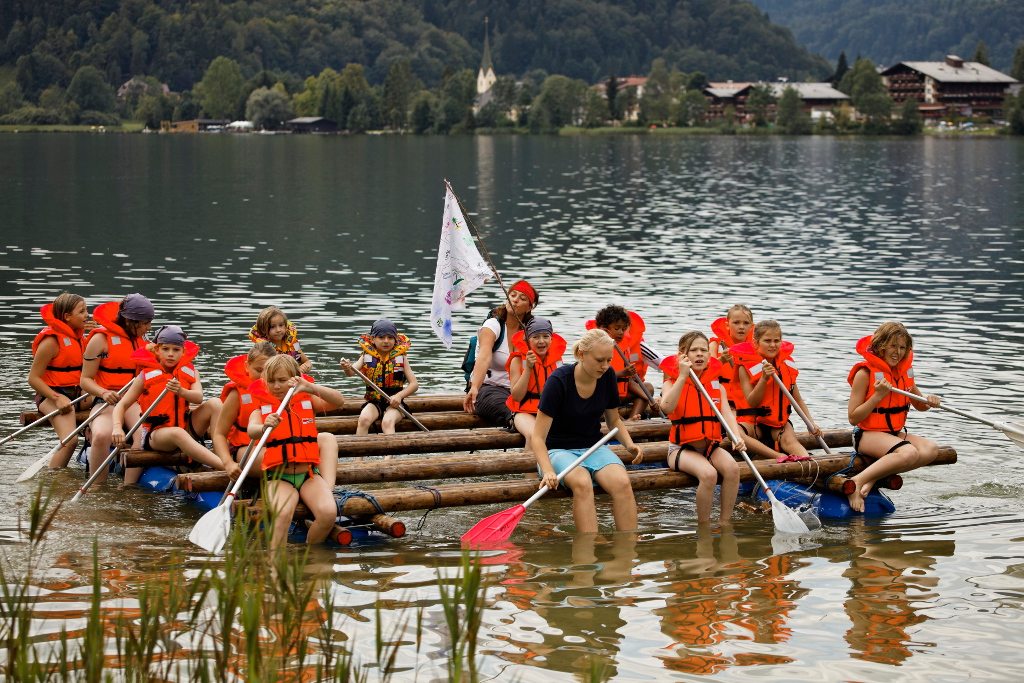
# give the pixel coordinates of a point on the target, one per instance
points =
(981, 53)
(455, 102)
(611, 93)
(691, 108)
(220, 89)
(790, 116)
(10, 98)
(909, 121)
(1017, 71)
(152, 109)
(37, 71)
(268, 108)
(422, 115)
(868, 95)
(90, 90)
(1015, 113)
(758, 103)
(841, 68)
(656, 103)
(697, 81)
(595, 109)
(560, 102)
(399, 87)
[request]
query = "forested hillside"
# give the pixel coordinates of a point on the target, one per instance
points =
(175, 40)
(890, 31)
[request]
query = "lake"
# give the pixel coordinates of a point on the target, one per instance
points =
(830, 236)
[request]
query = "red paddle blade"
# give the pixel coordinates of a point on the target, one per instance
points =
(494, 529)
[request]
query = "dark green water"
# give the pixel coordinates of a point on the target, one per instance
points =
(828, 236)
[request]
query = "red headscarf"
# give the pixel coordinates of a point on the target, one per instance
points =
(525, 288)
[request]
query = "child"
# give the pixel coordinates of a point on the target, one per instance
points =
(626, 329)
(880, 415)
(294, 448)
(57, 366)
(172, 425)
(385, 362)
(737, 327)
(536, 352)
(230, 432)
(574, 400)
(108, 366)
(759, 363)
(696, 430)
(272, 325)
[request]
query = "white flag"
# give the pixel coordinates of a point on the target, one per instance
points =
(460, 269)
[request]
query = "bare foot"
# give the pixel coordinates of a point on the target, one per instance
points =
(857, 499)
(636, 417)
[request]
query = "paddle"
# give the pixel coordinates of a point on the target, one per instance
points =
(1012, 431)
(786, 519)
(498, 527)
(380, 391)
(211, 531)
(113, 454)
(807, 421)
(640, 382)
(40, 421)
(34, 468)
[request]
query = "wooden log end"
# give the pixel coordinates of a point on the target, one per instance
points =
(386, 524)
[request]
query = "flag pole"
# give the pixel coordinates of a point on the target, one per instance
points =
(483, 247)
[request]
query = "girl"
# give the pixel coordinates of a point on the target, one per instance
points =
(737, 327)
(574, 400)
(759, 363)
(696, 432)
(294, 448)
(108, 366)
(386, 362)
(57, 366)
(536, 353)
(626, 330)
(172, 425)
(272, 325)
(880, 415)
(230, 431)
(489, 385)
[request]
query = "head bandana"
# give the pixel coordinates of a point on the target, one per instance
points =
(384, 328)
(538, 325)
(136, 307)
(524, 287)
(170, 334)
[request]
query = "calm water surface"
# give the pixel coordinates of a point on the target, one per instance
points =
(829, 236)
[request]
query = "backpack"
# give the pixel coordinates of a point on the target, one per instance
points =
(469, 360)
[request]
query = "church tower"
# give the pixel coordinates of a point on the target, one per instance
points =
(485, 78)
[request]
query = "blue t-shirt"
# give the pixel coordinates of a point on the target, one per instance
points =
(575, 421)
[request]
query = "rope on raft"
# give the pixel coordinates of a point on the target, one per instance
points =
(437, 503)
(347, 494)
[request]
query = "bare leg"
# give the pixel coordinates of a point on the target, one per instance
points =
(205, 415)
(698, 466)
(790, 444)
(328, 445)
(281, 501)
(615, 481)
(367, 416)
(176, 438)
(730, 474)
(919, 452)
(524, 423)
(583, 511)
(99, 438)
(392, 416)
(756, 448)
(62, 425)
(318, 498)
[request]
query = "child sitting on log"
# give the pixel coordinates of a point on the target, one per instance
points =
(385, 362)
(173, 424)
(536, 352)
(696, 432)
(759, 363)
(272, 325)
(294, 449)
(880, 415)
(626, 329)
(230, 435)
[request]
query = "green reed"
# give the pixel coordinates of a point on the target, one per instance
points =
(252, 615)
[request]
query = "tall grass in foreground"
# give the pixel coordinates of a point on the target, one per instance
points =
(252, 615)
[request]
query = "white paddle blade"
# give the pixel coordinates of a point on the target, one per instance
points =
(211, 531)
(1015, 431)
(786, 518)
(35, 467)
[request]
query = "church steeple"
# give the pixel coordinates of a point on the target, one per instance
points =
(485, 78)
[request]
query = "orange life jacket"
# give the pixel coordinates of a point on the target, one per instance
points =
(294, 439)
(387, 372)
(693, 419)
(238, 373)
(518, 348)
(117, 367)
(890, 415)
(64, 369)
(775, 409)
(721, 333)
(171, 410)
(628, 351)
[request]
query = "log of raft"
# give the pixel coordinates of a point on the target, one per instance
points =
(461, 466)
(451, 441)
(440, 420)
(518, 490)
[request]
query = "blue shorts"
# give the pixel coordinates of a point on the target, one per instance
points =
(599, 459)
